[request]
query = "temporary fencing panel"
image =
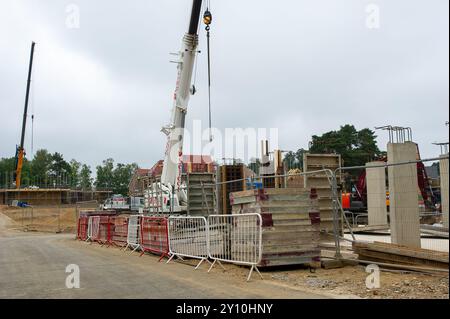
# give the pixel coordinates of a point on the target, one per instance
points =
(119, 237)
(133, 235)
(235, 239)
(93, 228)
(82, 229)
(154, 236)
(102, 229)
(188, 237)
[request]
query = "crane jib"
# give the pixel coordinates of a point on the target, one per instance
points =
(27, 94)
(195, 16)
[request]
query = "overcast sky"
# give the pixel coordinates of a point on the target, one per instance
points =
(303, 66)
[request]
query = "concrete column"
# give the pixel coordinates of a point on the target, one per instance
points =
(443, 166)
(403, 189)
(376, 194)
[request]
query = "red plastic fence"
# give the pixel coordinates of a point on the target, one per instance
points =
(155, 236)
(120, 233)
(82, 227)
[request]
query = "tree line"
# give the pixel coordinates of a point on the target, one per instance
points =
(51, 170)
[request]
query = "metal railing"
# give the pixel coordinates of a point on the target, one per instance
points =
(133, 235)
(235, 239)
(188, 237)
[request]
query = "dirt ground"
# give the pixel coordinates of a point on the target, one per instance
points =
(350, 282)
(44, 219)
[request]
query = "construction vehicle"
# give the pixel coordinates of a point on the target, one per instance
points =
(122, 203)
(20, 150)
(169, 194)
(115, 202)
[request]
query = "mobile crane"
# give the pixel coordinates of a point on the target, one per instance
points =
(170, 194)
(20, 150)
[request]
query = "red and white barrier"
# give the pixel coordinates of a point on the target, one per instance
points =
(154, 236)
(120, 233)
(82, 228)
(93, 227)
(102, 229)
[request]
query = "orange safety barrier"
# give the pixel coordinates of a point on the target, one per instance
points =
(120, 234)
(155, 236)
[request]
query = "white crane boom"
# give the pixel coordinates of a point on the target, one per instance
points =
(172, 169)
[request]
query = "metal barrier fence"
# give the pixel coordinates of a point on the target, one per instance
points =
(90, 228)
(82, 228)
(120, 233)
(154, 236)
(133, 233)
(235, 239)
(94, 231)
(188, 237)
(102, 229)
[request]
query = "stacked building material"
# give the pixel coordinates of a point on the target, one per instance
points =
(291, 224)
(201, 194)
(321, 182)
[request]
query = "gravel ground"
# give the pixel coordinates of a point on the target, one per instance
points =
(350, 280)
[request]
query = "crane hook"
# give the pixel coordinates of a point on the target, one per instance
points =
(207, 19)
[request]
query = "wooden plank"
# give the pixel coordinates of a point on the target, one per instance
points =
(370, 228)
(434, 233)
(403, 251)
(397, 259)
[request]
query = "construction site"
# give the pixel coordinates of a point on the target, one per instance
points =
(195, 226)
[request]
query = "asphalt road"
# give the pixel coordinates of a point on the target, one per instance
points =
(33, 265)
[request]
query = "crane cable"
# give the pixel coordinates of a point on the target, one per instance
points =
(207, 19)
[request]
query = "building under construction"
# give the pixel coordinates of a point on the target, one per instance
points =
(55, 196)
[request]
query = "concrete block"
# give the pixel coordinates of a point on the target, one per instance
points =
(376, 194)
(403, 188)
